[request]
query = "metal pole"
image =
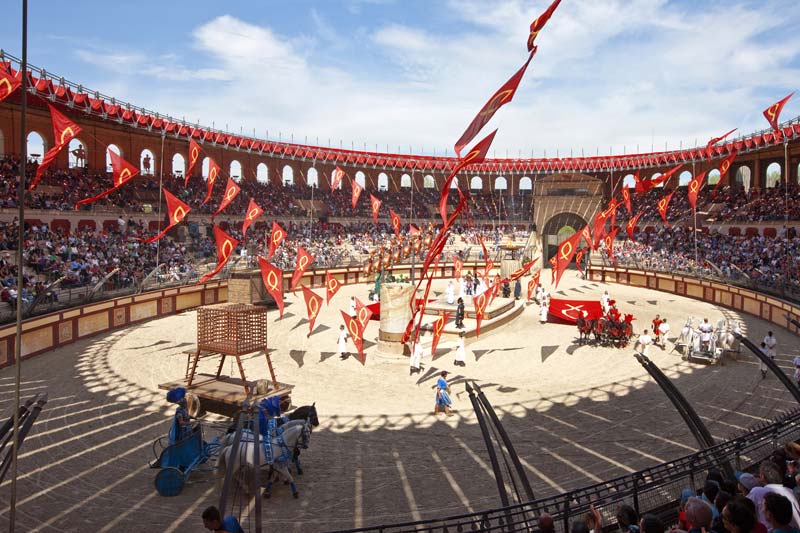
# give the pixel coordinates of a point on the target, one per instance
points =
(412, 221)
(694, 209)
(23, 144)
(498, 474)
(786, 174)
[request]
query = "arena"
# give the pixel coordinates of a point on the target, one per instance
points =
(123, 242)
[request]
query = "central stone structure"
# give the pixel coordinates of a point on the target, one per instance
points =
(395, 314)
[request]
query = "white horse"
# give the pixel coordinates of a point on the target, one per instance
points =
(686, 338)
(726, 340)
(295, 435)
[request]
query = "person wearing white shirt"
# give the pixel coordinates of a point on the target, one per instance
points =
(663, 330)
(343, 353)
(604, 302)
(461, 352)
(643, 342)
(451, 293)
(771, 478)
(771, 343)
(543, 310)
(415, 362)
(352, 310)
(705, 335)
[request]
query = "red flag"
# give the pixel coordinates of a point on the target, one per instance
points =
(663, 205)
(64, 130)
(395, 222)
(609, 242)
(538, 24)
(355, 332)
(122, 173)
(313, 304)
(488, 268)
(599, 227)
(8, 84)
(773, 112)
(357, 188)
(336, 177)
(566, 251)
(646, 185)
(715, 140)
(275, 238)
(522, 271)
(631, 225)
(376, 207)
(194, 155)
(253, 212)
(724, 167)
(332, 286)
(694, 189)
(458, 265)
(626, 196)
(225, 247)
(503, 96)
(586, 235)
(480, 307)
(231, 191)
(438, 328)
(213, 173)
(304, 260)
(570, 310)
(177, 212)
(363, 314)
(475, 156)
(272, 277)
(531, 286)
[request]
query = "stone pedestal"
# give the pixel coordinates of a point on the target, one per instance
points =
(395, 314)
(509, 266)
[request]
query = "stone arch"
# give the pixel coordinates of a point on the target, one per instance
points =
(525, 184)
(37, 146)
(262, 173)
(178, 165)
(629, 181)
(113, 148)
(559, 228)
(383, 181)
(656, 175)
(405, 181)
(476, 183)
(684, 178)
(361, 179)
(2, 144)
(500, 183)
(147, 162)
(743, 177)
(428, 182)
(77, 156)
(312, 177)
(235, 171)
(713, 177)
(287, 176)
(774, 175)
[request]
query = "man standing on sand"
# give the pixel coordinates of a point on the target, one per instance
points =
(443, 401)
(343, 353)
(415, 363)
(352, 310)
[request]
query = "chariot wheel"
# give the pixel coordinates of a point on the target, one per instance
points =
(169, 481)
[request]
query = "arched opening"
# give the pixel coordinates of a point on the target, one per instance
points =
(178, 165)
(235, 171)
(500, 183)
(428, 182)
(774, 175)
(476, 183)
(656, 175)
(76, 157)
(797, 173)
(113, 148)
(713, 177)
(312, 177)
(629, 181)
(454, 183)
(405, 181)
(742, 178)
(36, 147)
(361, 179)
(383, 181)
(684, 178)
(204, 167)
(525, 184)
(146, 162)
(262, 173)
(287, 176)
(558, 229)
(2, 144)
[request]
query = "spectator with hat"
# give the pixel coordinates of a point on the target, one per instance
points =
(746, 482)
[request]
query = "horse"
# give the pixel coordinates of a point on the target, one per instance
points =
(295, 435)
(585, 328)
(686, 338)
(726, 339)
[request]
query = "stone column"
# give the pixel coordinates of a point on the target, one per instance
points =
(395, 314)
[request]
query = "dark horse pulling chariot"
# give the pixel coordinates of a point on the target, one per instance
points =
(605, 332)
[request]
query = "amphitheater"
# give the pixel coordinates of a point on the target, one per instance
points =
(589, 423)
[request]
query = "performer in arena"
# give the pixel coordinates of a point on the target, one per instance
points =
(443, 401)
(643, 342)
(181, 423)
(613, 313)
(769, 344)
(605, 302)
(451, 292)
(657, 329)
(461, 352)
(352, 309)
(415, 362)
(460, 314)
(544, 308)
(342, 346)
(663, 331)
(706, 330)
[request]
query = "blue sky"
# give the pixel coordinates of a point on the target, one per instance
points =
(411, 74)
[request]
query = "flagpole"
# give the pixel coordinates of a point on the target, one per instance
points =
(160, 192)
(411, 274)
(786, 174)
(694, 211)
(12, 516)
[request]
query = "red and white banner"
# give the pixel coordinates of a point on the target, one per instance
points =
(272, 277)
(332, 286)
(313, 305)
(438, 328)
(569, 310)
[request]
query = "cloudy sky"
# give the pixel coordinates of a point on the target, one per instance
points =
(411, 74)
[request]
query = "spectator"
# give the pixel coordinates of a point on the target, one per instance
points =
(779, 513)
(772, 480)
(738, 516)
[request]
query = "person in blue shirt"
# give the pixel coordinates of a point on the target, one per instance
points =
(213, 521)
(443, 401)
(181, 423)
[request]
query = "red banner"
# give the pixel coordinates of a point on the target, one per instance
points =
(272, 277)
(438, 328)
(694, 189)
(663, 205)
(480, 308)
(458, 266)
(396, 224)
(376, 207)
(356, 334)
(599, 227)
(715, 140)
(631, 225)
(213, 174)
(475, 156)
(539, 22)
(313, 305)
(532, 286)
(177, 212)
(8, 84)
(646, 185)
(609, 242)
(586, 235)
(773, 112)
(122, 173)
(231, 191)
(253, 212)
(724, 167)
(363, 314)
(579, 258)
(64, 130)
(304, 260)
(626, 197)
(522, 271)
(503, 96)
(357, 189)
(570, 310)
(336, 177)
(225, 247)
(194, 155)
(332, 286)
(275, 238)
(566, 251)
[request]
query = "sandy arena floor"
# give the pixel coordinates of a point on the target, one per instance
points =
(577, 415)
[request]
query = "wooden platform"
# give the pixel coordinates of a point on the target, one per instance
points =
(225, 389)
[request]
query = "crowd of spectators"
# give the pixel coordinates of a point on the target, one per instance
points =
(761, 205)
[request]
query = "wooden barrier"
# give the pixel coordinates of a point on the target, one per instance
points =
(765, 307)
